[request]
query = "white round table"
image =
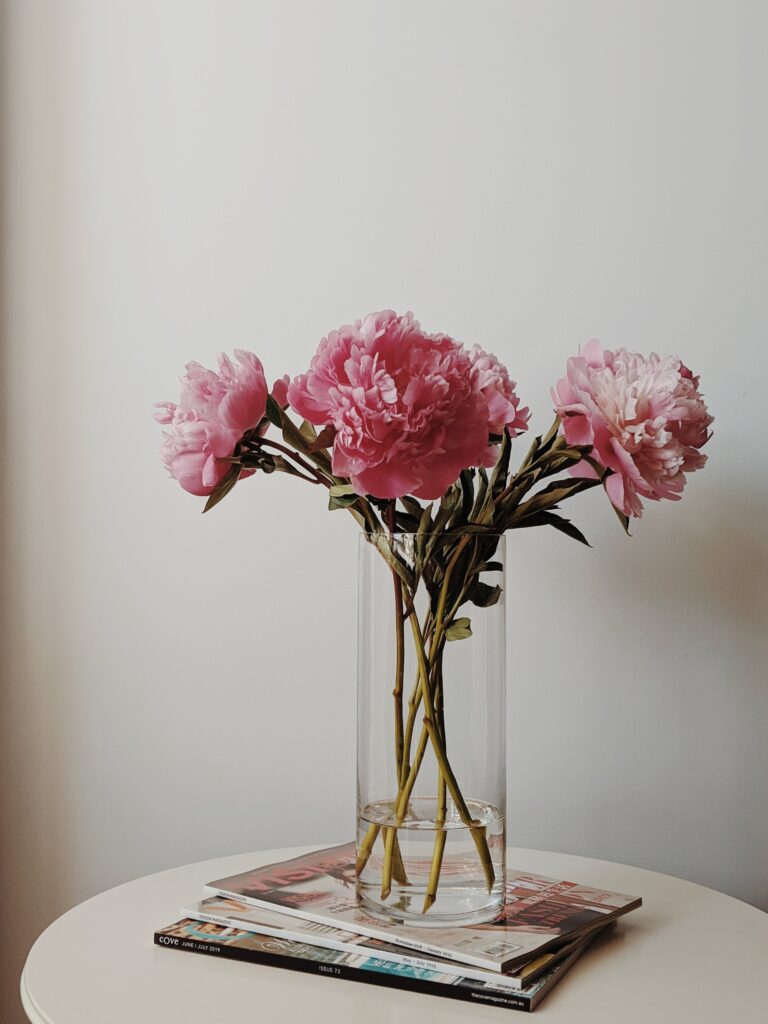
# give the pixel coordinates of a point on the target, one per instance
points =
(689, 954)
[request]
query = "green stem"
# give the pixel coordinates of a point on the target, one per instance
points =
(414, 702)
(413, 709)
(431, 732)
(397, 692)
(477, 830)
(437, 855)
(398, 869)
(402, 805)
(364, 848)
(440, 834)
(440, 621)
(317, 476)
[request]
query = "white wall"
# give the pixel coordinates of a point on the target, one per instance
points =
(184, 177)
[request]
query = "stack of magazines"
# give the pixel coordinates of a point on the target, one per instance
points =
(301, 914)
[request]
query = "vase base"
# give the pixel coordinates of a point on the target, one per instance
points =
(433, 875)
(399, 913)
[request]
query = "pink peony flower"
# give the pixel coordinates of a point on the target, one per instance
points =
(644, 417)
(213, 413)
(499, 391)
(407, 407)
(194, 450)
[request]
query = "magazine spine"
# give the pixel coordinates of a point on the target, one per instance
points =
(363, 929)
(496, 997)
(442, 966)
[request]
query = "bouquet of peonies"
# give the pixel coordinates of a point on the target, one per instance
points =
(412, 433)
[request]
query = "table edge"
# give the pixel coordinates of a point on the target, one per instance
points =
(37, 1016)
(34, 1014)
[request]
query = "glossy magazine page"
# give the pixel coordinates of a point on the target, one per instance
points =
(237, 944)
(540, 912)
(233, 914)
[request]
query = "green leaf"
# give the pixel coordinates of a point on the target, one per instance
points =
(570, 530)
(462, 511)
(532, 452)
(341, 496)
(559, 490)
(490, 567)
(559, 522)
(425, 522)
(411, 505)
(459, 629)
(223, 487)
(283, 465)
(265, 461)
(293, 435)
(423, 529)
(501, 469)
(382, 542)
(447, 507)
(347, 501)
(482, 491)
(541, 447)
(324, 439)
(552, 495)
(624, 520)
(274, 412)
(359, 517)
(483, 595)
(308, 432)
(407, 523)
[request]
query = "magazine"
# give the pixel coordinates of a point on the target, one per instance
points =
(238, 944)
(233, 914)
(540, 913)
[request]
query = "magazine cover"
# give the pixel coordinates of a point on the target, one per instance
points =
(540, 912)
(234, 914)
(238, 944)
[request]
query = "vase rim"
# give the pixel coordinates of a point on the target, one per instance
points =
(366, 534)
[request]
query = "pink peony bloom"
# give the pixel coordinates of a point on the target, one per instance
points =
(644, 417)
(213, 413)
(194, 451)
(407, 408)
(498, 388)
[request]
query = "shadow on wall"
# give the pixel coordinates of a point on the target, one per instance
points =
(677, 782)
(32, 777)
(727, 574)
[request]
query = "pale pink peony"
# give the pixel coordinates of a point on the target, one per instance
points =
(194, 451)
(407, 408)
(644, 417)
(213, 413)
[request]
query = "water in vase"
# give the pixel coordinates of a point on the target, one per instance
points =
(467, 891)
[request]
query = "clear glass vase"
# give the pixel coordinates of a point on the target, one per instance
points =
(431, 732)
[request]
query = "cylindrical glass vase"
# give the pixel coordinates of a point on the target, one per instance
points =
(431, 732)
